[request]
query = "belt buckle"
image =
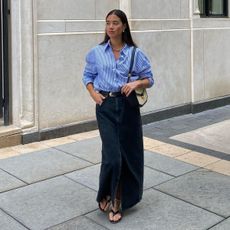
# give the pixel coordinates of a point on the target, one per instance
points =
(111, 94)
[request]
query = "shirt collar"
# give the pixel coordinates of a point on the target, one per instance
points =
(106, 46)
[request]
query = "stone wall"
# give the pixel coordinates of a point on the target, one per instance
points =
(211, 58)
(189, 55)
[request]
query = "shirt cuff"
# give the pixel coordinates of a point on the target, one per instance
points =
(87, 81)
(151, 82)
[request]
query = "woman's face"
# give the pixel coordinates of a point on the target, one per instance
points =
(114, 26)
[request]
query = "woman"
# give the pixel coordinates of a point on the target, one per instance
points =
(105, 77)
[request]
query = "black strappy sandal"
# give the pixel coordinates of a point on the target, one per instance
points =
(114, 213)
(107, 204)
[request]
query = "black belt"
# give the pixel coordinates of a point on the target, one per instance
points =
(111, 94)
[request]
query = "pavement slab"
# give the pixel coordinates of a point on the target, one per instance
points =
(204, 188)
(48, 203)
(81, 223)
(151, 143)
(57, 141)
(36, 166)
(167, 128)
(8, 152)
(153, 177)
(221, 166)
(167, 164)
(213, 137)
(85, 135)
(8, 182)
(32, 147)
(89, 149)
(198, 159)
(160, 211)
(169, 150)
(8, 223)
(88, 177)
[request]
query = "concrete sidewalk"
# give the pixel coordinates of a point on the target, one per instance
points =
(53, 184)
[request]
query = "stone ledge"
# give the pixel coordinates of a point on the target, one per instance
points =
(211, 23)
(10, 140)
(198, 107)
(10, 136)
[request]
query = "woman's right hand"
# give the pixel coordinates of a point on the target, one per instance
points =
(97, 97)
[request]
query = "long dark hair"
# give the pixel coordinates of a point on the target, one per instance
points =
(126, 35)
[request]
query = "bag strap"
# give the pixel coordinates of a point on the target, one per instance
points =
(131, 64)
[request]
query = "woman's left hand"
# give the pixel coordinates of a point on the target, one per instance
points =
(129, 87)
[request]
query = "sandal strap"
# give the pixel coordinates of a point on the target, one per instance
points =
(107, 201)
(114, 213)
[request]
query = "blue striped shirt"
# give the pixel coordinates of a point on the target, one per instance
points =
(108, 74)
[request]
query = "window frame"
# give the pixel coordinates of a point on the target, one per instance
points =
(207, 10)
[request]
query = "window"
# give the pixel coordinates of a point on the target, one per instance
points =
(213, 8)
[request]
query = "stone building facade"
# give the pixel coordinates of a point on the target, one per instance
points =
(49, 40)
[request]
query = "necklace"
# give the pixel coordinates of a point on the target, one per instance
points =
(117, 50)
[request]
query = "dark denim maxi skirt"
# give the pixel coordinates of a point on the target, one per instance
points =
(120, 129)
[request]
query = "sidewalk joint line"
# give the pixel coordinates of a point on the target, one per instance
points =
(96, 223)
(174, 175)
(188, 202)
(14, 176)
(66, 221)
(217, 224)
(48, 178)
(79, 183)
(147, 166)
(18, 221)
(73, 155)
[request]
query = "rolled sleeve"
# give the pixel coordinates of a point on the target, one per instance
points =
(143, 68)
(90, 71)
